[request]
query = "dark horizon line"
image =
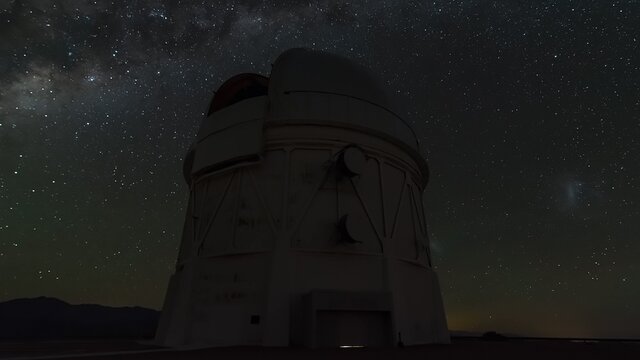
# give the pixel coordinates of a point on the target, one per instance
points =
(79, 304)
(545, 338)
(480, 334)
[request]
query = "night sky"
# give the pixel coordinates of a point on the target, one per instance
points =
(528, 113)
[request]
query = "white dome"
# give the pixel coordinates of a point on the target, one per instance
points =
(307, 86)
(305, 224)
(308, 70)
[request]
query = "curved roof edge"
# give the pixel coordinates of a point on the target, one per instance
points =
(238, 88)
(302, 69)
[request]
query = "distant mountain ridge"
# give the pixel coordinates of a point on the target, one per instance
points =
(45, 318)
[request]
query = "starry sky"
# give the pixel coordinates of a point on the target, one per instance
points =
(528, 113)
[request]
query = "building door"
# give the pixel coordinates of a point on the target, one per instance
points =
(353, 328)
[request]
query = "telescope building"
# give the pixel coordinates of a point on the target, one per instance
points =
(305, 224)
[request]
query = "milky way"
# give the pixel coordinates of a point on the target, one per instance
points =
(528, 112)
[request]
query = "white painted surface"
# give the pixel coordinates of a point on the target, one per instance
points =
(262, 237)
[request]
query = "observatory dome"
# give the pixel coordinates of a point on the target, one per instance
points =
(304, 70)
(305, 224)
(308, 86)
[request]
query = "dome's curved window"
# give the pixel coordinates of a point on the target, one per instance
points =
(238, 88)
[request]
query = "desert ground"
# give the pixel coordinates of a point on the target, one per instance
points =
(461, 348)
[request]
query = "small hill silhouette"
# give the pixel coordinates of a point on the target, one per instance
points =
(46, 318)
